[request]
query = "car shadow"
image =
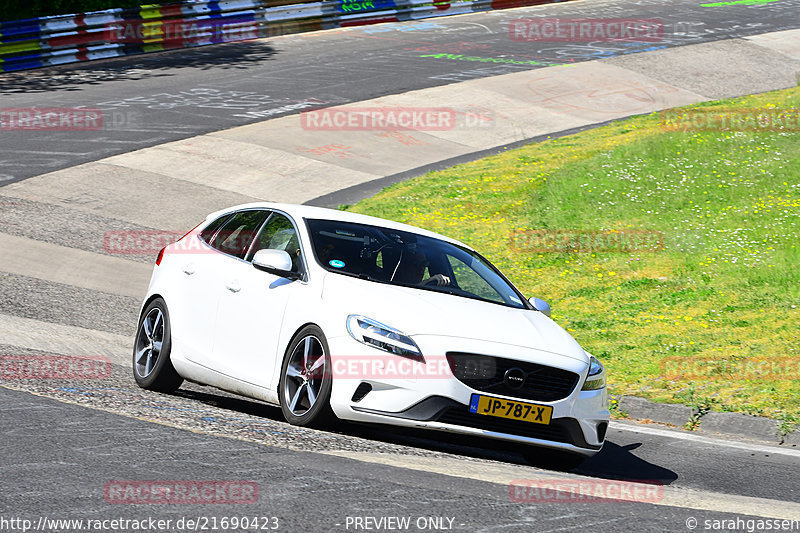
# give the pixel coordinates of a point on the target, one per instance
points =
(617, 462)
(613, 462)
(74, 76)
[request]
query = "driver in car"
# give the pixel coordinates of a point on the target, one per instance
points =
(412, 267)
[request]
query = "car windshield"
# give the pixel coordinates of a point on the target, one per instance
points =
(408, 259)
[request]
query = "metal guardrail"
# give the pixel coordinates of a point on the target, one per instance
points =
(61, 39)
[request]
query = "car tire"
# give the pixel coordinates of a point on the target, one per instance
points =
(304, 389)
(152, 368)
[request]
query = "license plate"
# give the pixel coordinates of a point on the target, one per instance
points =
(527, 412)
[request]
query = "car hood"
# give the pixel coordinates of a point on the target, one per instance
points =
(424, 312)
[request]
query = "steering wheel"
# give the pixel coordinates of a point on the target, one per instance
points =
(437, 279)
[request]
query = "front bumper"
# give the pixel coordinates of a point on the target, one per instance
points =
(432, 399)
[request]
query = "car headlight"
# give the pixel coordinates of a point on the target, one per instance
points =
(597, 375)
(380, 336)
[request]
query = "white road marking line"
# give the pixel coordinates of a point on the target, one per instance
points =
(504, 474)
(700, 439)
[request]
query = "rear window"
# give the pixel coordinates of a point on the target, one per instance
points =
(238, 231)
(208, 232)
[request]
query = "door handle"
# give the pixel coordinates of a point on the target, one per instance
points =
(233, 286)
(188, 269)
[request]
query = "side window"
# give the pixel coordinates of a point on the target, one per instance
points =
(279, 234)
(236, 234)
(471, 281)
(209, 231)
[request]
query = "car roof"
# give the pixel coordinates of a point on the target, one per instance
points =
(306, 211)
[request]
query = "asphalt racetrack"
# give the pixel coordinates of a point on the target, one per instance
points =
(158, 98)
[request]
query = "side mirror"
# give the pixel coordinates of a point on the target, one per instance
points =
(538, 304)
(275, 262)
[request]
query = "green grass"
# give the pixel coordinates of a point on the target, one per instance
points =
(724, 290)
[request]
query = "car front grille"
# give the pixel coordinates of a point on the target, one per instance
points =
(487, 374)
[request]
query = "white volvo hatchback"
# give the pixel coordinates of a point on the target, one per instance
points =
(337, 315)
